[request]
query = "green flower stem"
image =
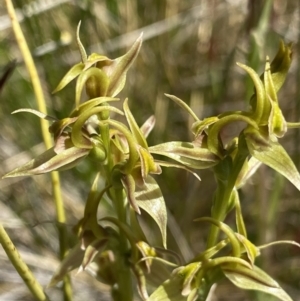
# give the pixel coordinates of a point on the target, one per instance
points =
(46, 135)
(21, 267)
(62, 230)
(125, 289)
(293, 125)
(223, 196)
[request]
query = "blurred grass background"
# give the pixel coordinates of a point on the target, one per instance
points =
(190, 49)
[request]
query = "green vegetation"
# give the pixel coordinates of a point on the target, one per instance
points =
(168, 215)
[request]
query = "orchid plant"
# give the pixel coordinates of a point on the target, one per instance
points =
(115, 249)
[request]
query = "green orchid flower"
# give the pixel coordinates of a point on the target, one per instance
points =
(100, 75)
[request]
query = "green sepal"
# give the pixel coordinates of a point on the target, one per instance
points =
(118, 69)
(270, 152)
(70, 262)
(179, 287)
(186, 153)
(50, 161)
(70, 75)
(149, 197)
(254, 279)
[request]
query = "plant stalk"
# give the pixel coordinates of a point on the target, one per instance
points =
(223, 196)
(37, 87)
(125, 290)
(21, 267)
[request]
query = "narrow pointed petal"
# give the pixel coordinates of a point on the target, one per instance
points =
(136, 132)
(79, 44)
(183, 105)
(148, 126)
(148, 165)
(35, 112)
(129, 185)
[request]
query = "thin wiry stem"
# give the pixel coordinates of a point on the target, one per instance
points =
(21, 267)
(60, 213)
